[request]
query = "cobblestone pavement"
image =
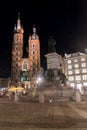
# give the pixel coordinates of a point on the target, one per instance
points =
(62, 115)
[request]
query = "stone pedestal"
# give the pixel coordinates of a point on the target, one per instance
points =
(41, 98)
(78, 96)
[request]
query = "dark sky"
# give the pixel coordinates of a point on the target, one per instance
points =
(65, 20)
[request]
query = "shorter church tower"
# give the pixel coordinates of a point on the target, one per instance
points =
(34, 53)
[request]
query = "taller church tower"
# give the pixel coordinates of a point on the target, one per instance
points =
(17, 52)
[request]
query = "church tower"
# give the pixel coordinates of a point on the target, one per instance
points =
(34, 53)
(17, 52)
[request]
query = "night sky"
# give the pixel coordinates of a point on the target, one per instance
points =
(65, 20)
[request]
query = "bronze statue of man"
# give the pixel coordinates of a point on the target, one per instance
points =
(51, 45)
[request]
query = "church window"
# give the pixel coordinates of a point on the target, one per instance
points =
(25, 65)
(33, 45)
(33, 52)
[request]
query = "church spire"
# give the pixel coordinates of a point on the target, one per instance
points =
(18, 22)
(34, 29)
(18, 27)
(34, 34)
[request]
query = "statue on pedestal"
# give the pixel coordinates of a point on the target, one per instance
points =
(51, 45)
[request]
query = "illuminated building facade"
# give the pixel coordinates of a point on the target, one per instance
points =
(23, 67)
(76, 69)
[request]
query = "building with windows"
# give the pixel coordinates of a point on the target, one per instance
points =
(24, 66)
(75, 65)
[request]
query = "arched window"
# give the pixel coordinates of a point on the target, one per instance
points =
(25, 65)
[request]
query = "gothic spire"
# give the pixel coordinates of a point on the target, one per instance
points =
(34, 35)
(18, 22)
(34, 29)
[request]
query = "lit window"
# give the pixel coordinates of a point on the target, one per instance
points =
(70, 72)
(77, 71)
(82, 59)
(76, 65)
(84, 70)
(71, 78)
(78, 77)
(84, 77)
(69, 61)
(85, 84)
(75, 60)
(69, 66)
(83, 64)
(79, 86)
(72, 85)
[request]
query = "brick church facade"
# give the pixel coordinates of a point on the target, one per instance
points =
(24, 68)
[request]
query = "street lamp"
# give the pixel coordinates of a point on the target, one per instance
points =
(39, 81)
